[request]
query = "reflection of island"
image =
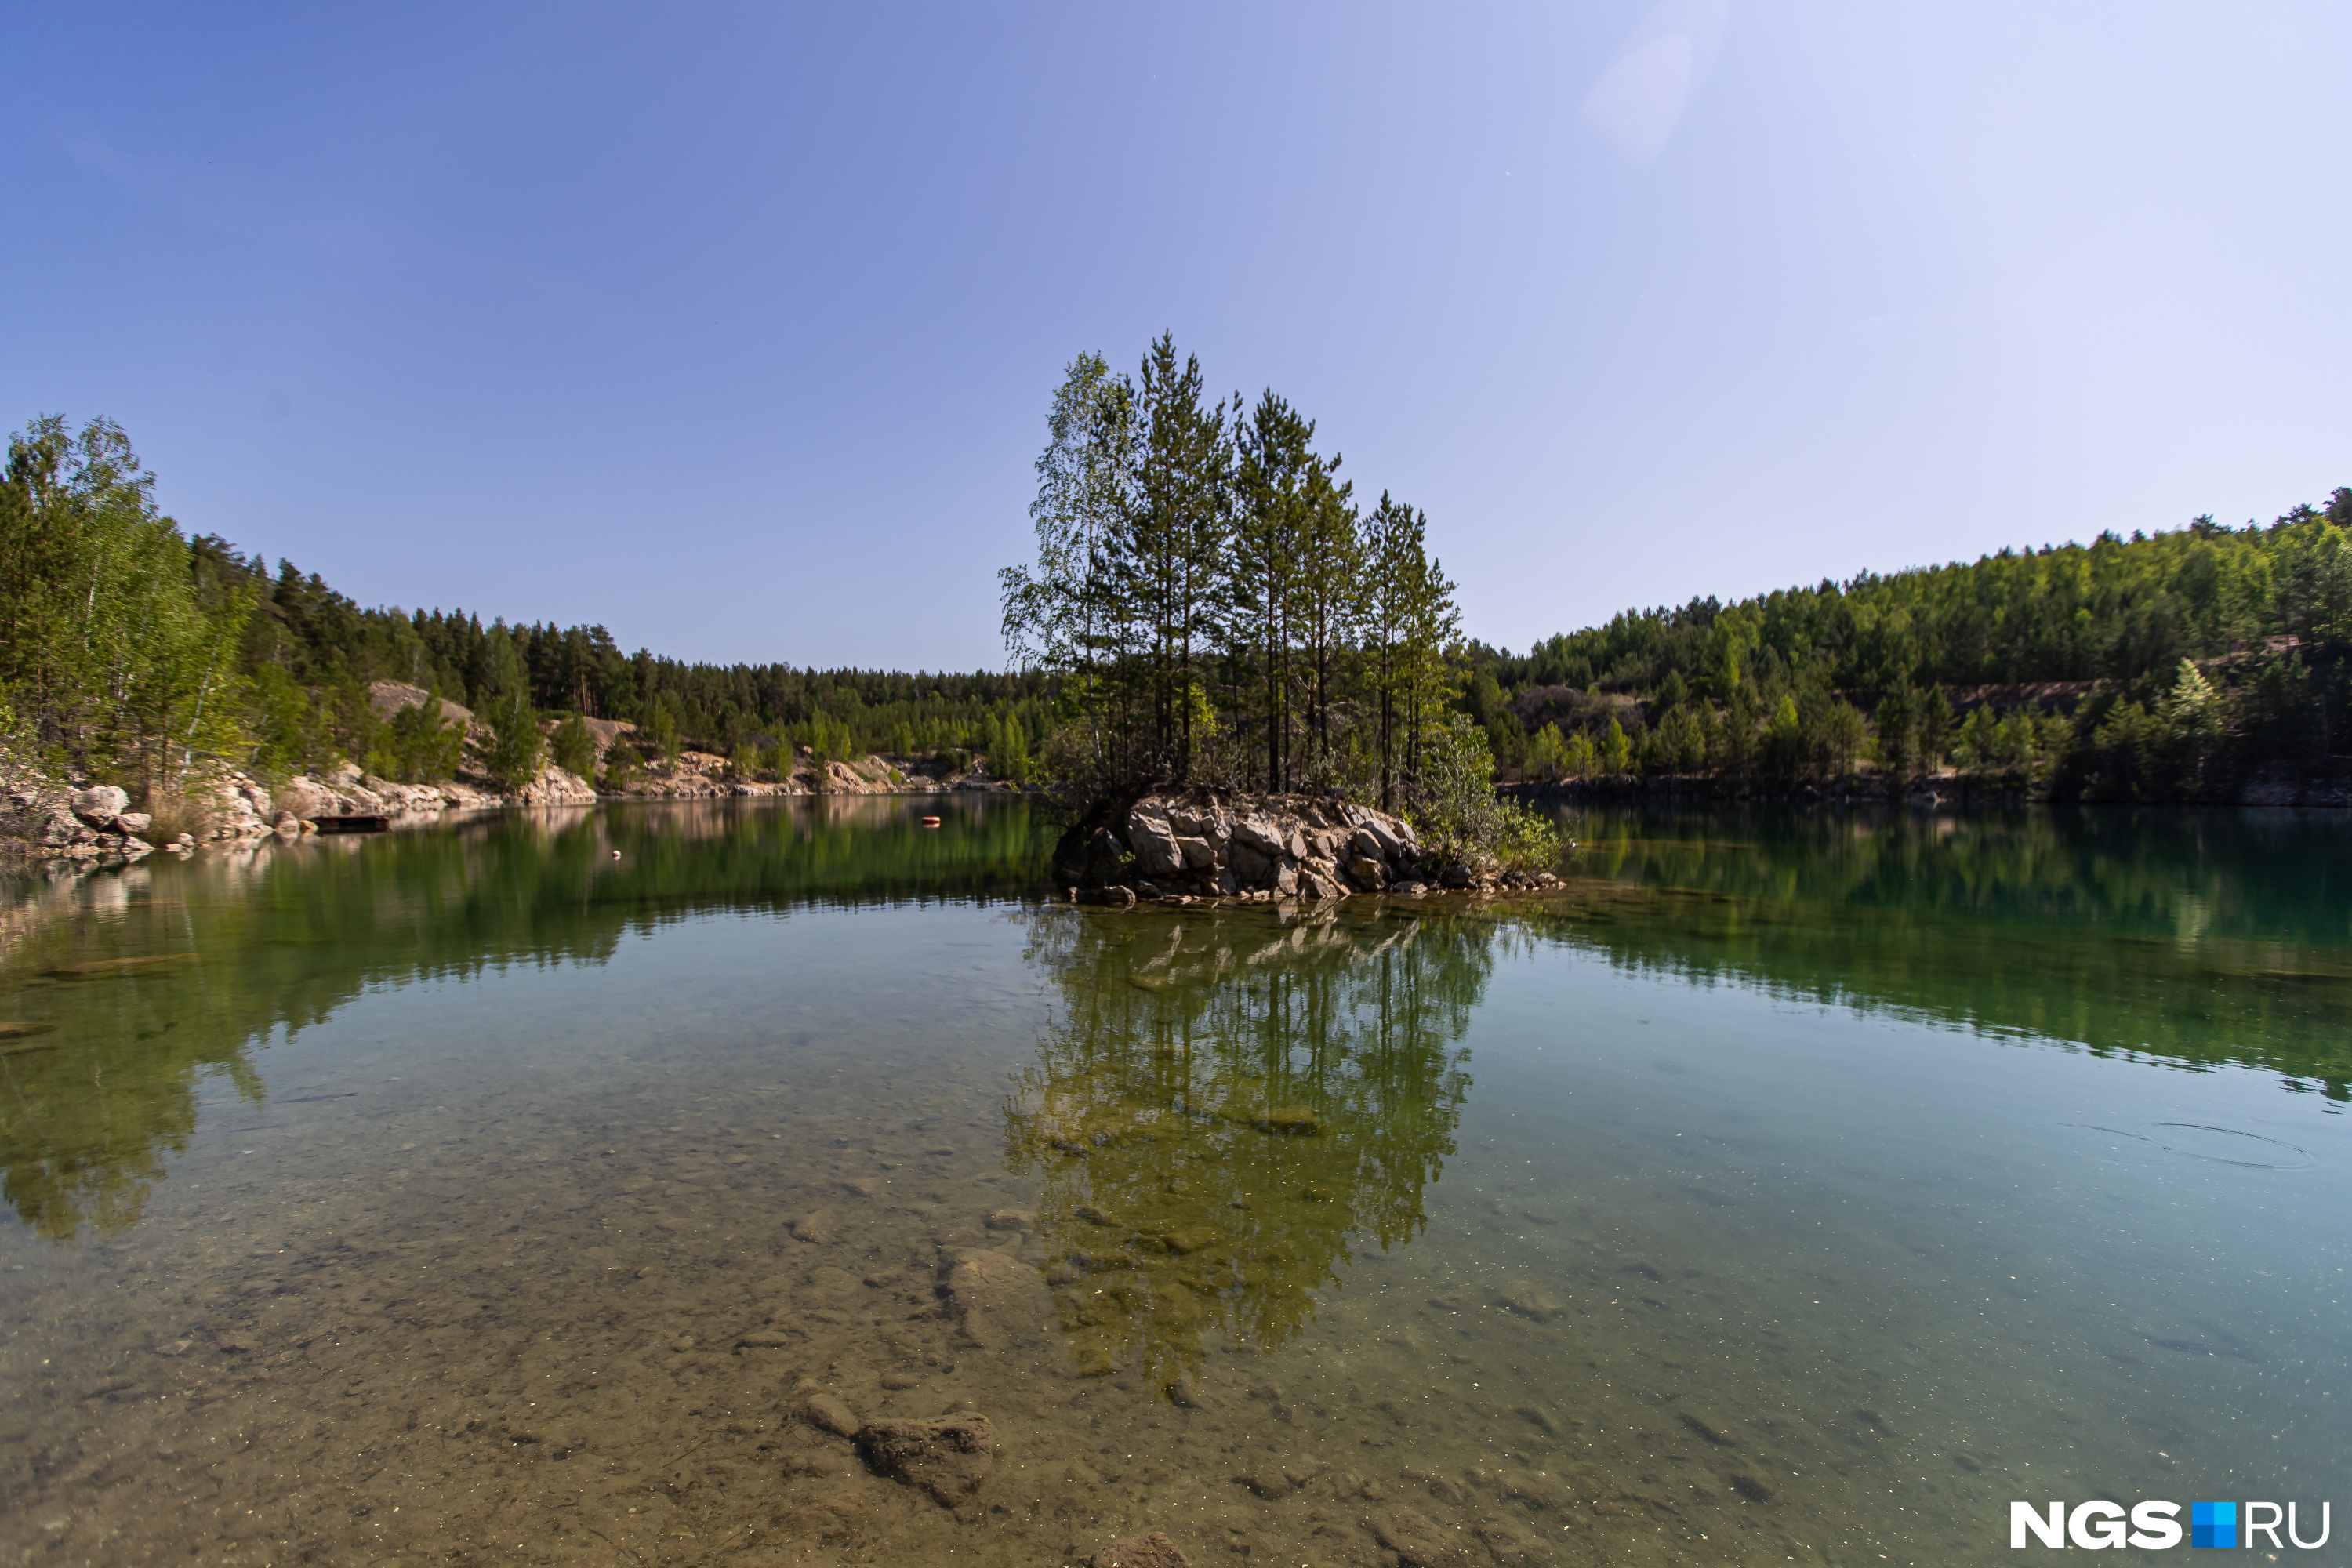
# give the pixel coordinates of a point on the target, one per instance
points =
(121, 991)
(1223, 1104)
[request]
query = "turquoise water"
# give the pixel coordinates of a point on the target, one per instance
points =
(1791, 1187)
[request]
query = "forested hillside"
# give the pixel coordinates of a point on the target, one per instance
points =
(1210, 602)
(2155, 666)
(130, 652)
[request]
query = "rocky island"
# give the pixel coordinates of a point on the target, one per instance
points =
(1208, 844)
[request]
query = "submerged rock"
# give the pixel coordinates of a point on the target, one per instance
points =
(948, 1459)
(997, 1298)
(1419, 1542)
(1524, 1298)
(1152, 1551)
(829, 1414)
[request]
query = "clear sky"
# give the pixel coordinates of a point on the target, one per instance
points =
(733, 328)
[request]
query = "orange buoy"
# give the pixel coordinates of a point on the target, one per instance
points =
(930, 822)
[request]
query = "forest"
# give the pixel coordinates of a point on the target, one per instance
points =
(2168, 666)
(1210, 602)
(130, 651)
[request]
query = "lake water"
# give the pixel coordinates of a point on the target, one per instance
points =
(1793, 1187)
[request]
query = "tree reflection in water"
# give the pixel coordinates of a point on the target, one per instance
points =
(123, 991)
(1224, 1104)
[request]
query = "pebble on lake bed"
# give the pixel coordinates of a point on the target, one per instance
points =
(829, 1414)
(1523, 1298)
(816, 1227)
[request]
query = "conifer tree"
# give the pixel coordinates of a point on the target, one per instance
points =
(1277, 476)
(1173, 565)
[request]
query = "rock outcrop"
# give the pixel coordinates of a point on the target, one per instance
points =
(45, 821)
(1206, 844)
(388, 697)
(701, 776)
(1269, 846)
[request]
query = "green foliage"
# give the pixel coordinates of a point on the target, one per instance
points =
(288, 729)
(1007, 748)
(516, 749)
(1211, 606)
(663, 728)
(133, 652)
(2262, 616)
(120, 659)
(417, 745)
(573, 749)
(1458, 809)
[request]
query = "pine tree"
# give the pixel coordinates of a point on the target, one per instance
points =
(1173, 563)
(1331, 603)
(1276, 474)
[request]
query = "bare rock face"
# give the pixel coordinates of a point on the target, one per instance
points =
(307, 798)
(1319, 879)
(1092, 861)
(64, 829)
(948, 1459)
(1153, 839)
(1152, 1551)
(1206, 844)
(554, 786)
(99, 805)
(1259, 834)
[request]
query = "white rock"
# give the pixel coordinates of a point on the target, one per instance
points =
(100, 803)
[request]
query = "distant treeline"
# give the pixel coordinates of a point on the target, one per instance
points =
(1209, 601)
(2157, 666)
(130, 652)
(325, 641)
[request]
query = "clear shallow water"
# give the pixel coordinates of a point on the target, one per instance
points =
(1795, 1187)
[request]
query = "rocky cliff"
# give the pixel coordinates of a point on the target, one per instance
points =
(1256, 848)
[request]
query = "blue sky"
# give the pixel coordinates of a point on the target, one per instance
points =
(733, 329)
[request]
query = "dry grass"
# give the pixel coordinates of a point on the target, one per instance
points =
(176, 813)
